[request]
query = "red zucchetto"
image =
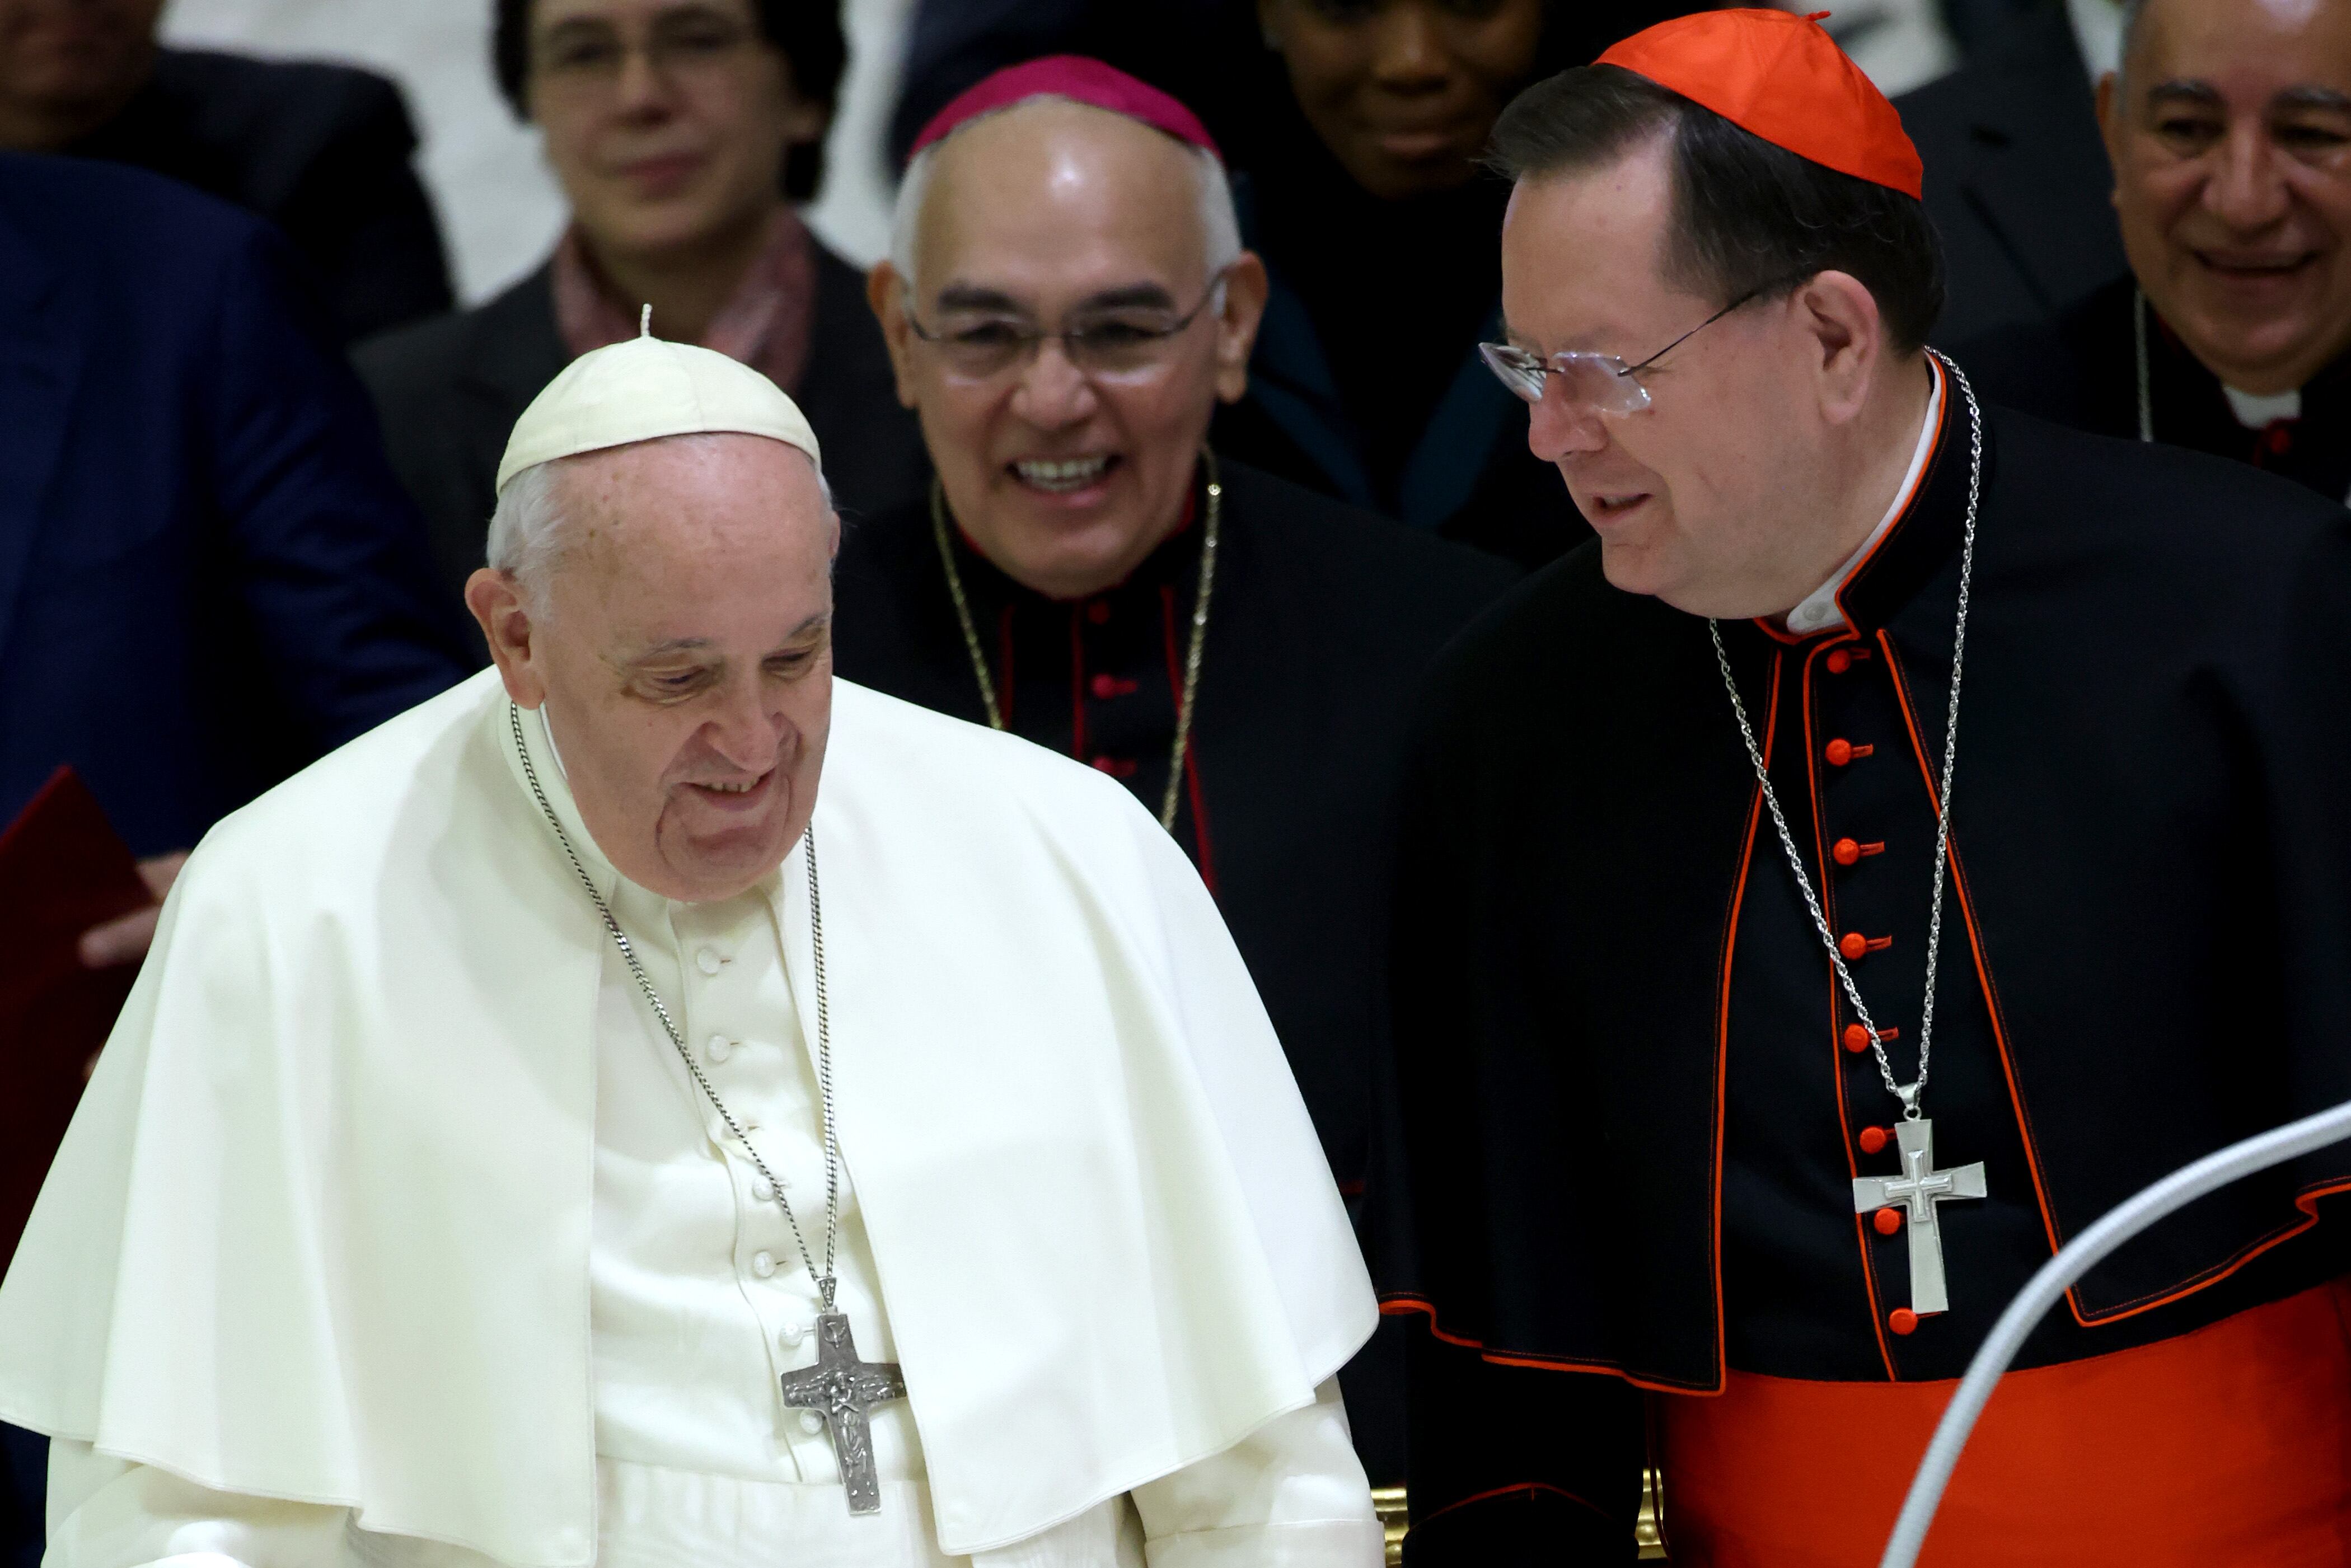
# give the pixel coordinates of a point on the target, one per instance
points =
(1781, 76)
(1079, 79)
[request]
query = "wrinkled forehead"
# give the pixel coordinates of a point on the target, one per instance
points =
(1050, 200)
(2248, 52)
(651, 505)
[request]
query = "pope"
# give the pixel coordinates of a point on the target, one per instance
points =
(657, 1103)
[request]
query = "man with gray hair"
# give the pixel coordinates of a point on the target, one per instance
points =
(1066, 303)
(523, 1147)
(2229, 128)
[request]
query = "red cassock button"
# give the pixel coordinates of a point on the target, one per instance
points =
(1838, 661)
(1840, 752)
(1845, 851)
(1873, 1140)
(1853, 945)
(1887, 1221)
(1107, 686)
(1098, 613)
(1856, 1040)
(1902, 1319)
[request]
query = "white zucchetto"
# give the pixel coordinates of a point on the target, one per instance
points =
(647, 389)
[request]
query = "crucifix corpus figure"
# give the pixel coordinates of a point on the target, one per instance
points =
(842, 1389)
(764, 1060)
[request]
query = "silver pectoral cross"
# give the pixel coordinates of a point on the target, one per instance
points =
(842, 1389)
(1920, 1188)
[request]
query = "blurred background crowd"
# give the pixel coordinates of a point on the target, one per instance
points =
(251, 411)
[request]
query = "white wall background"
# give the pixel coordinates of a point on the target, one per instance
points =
(500, 210)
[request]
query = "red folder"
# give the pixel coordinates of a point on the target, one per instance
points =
(62, 871)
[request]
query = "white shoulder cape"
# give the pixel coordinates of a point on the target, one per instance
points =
(320, 1229)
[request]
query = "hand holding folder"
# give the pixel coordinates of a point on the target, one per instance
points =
(63, 870)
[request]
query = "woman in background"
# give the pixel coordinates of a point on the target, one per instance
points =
(681, 131)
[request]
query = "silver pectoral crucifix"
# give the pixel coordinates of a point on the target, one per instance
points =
(843, 1389)
(1919, 1190)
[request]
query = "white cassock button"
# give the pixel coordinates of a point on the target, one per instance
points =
(811, 1423)
(762, 1192)
(794, 1333)
(720, 1048)
(708, 961)
(763, 1264)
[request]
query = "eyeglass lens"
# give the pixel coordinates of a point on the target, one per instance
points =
(1594, 382)
(1118, 343)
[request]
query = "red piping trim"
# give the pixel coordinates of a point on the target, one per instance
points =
(2306, 1201)
(1910, 496)
(1983, 969)
(1723, 1028)
(1398, 1304)
(1530, 1488)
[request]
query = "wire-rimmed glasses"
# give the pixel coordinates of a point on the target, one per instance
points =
(1117, 340)
(1602, 382)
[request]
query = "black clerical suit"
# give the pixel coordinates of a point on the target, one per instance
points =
(1321, 619)
(2082, 370)
(321, 151)
(1630, 1115)
(2017, 179)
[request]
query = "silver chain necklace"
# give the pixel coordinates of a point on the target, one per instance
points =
(840, 1386)
(1191, 659)
(1920, 1187)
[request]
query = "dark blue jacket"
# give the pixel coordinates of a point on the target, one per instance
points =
(208, 575)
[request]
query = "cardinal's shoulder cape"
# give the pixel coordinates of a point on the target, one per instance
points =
(320, 1228)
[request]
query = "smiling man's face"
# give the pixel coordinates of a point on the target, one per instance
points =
(1049, 216)
(682, 649)
(2230, 128)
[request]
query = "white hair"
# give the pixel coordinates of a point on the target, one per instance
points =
(1220, 229)
(2133, 17)
(530, 533)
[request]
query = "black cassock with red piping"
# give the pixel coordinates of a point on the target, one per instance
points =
(1322, 621)
(1628, 1110)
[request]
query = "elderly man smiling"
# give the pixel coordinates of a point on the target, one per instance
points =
(1066, 303)
(548, 1132)
(2229, 129)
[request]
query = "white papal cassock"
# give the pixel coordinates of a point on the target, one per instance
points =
(392, 1230)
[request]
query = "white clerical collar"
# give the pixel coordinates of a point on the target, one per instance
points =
(2098, 31)
(1820, 609)
(2255, 411)
(546, 728)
